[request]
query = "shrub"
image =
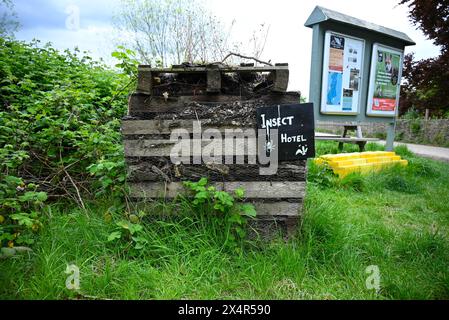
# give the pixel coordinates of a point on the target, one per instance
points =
(59, 121)
(415, 126)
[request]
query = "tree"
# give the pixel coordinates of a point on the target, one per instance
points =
(8, 18)
(427, 81)
(171, 32)
(432, 17)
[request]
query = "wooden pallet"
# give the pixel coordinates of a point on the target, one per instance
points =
(147, 76)
(152, 175)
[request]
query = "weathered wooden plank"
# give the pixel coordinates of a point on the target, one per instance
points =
(271, 209)
(280, 80)
(226, 69)
(144, 103)
(148, 127)
(253, 189)
(213, 80)
(144, 82)
(141, 102)
(165, 148)
(156, 170)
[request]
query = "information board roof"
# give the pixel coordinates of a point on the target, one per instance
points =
(321, 14)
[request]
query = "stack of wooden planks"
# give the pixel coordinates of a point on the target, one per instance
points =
(153, 117)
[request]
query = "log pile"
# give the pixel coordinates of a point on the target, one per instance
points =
(219, 97)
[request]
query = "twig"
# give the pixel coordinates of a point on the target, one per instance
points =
(65, 168)
(245, 57)
(76, 188)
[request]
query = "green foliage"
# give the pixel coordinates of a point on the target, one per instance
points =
(111, 176)
(403, 151)
(127, 61)
(400, 183)
(411, 114)
(19, 211)
(380, 135)
(224, 209)
(422, 167)
(321, 175)
(131, 235)
(415, 126)
(59, 124)
(353, 181)
(342, 233)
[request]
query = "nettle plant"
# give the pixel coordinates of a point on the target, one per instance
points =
(226, 208)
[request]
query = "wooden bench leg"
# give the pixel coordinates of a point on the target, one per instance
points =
(340, 146)
(362, 145)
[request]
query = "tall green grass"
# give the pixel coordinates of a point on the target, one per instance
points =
(397, 219)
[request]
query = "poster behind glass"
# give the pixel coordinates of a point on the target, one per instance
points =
(384, 85)
(342, 72)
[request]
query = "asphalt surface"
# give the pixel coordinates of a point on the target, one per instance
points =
(436, 153)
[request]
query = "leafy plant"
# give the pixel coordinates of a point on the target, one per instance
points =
(321, 175)
(130, 233)
(415, 126)
(225, 208)
(19, 211)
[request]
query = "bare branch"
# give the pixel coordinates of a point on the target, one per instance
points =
(245, 57)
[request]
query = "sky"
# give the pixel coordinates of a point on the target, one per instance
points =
(86, 24)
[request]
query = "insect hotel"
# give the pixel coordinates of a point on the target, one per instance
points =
(195, 101)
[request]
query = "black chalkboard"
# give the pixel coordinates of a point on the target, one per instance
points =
(296, 130)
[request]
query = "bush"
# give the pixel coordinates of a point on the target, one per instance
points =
(59, 115)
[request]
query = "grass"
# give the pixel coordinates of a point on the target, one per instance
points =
(397, 220)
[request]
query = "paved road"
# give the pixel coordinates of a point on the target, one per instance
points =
(436, 153)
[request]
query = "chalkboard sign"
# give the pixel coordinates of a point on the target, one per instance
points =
(296, 130)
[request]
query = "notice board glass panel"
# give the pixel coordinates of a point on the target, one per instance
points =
(385, 80)
(342, 74)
